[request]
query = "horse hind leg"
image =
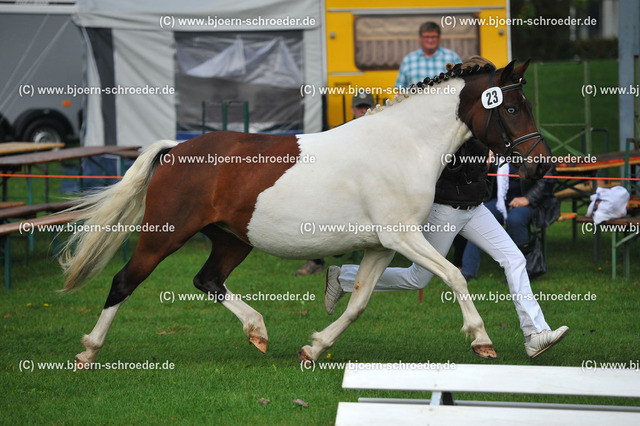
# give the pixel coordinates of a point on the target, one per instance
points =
(227, 253)
(122, 286)
(94, 341)
(152, 248)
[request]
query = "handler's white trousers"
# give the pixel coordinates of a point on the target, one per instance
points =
(479, 226)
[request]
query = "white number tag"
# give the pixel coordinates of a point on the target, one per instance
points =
(492, 97)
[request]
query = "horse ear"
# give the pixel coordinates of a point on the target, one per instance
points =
(506, 73)
(521, 69)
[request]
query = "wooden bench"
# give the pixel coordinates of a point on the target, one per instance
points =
(7, 204)
(30, 210)
(630, 229)
(578, 194)
(633, 204)
(27, 225)
(22, 211)
(443, 409)
(567, 216)
(577, 191)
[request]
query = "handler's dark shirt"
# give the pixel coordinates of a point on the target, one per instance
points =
(464, 183)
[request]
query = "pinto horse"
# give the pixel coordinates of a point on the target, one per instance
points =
(378, 170)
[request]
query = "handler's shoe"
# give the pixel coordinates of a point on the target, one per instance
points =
(542, 341)
(309, 268)
(333, 290)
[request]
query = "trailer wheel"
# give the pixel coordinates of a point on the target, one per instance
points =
(44, 130)
(5, 130)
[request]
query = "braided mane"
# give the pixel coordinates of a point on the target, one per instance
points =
(453, 71)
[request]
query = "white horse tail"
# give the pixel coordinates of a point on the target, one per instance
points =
(87, 252)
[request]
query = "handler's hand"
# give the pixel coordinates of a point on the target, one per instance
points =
(519, 202)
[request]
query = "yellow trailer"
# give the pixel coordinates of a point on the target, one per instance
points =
(366, 42)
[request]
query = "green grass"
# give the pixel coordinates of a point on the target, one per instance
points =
(218, 377)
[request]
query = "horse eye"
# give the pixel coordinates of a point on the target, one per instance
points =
(511, 110)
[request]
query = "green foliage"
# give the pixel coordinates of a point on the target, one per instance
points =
(539, 35)
(596, 49)
(540, 42)
(562, 104)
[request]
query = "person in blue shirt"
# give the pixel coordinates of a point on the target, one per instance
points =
(429, 60)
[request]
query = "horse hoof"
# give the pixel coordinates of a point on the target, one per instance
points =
(484, 351)
(80, 364)
(303, 356)
(260, 343)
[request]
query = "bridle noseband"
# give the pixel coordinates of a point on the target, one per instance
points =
(508, 142)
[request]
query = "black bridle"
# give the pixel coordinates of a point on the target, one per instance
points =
(509, 143)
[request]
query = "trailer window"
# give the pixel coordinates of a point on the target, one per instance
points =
(381, 42)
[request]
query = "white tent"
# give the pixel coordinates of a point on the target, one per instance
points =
(193, 52)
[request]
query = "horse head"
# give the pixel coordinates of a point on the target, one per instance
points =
(497, 112)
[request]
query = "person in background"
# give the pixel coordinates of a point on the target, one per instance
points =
(360, 104)
(428, 61)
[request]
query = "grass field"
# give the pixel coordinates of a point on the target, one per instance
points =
(218, 377)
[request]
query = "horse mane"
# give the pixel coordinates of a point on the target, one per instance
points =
(471, 66)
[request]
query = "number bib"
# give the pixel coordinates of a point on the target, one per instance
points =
(492, 97)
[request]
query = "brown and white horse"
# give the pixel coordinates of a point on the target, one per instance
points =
(378, 170)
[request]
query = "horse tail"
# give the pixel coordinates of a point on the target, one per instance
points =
(87, 252)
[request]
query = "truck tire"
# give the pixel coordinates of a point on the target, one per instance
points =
(44, 129)
(5, 130)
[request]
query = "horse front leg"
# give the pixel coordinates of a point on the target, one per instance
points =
(418, 250)
(372, 266)
(252, 321)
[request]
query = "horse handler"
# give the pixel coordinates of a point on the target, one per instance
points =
(458, 208)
